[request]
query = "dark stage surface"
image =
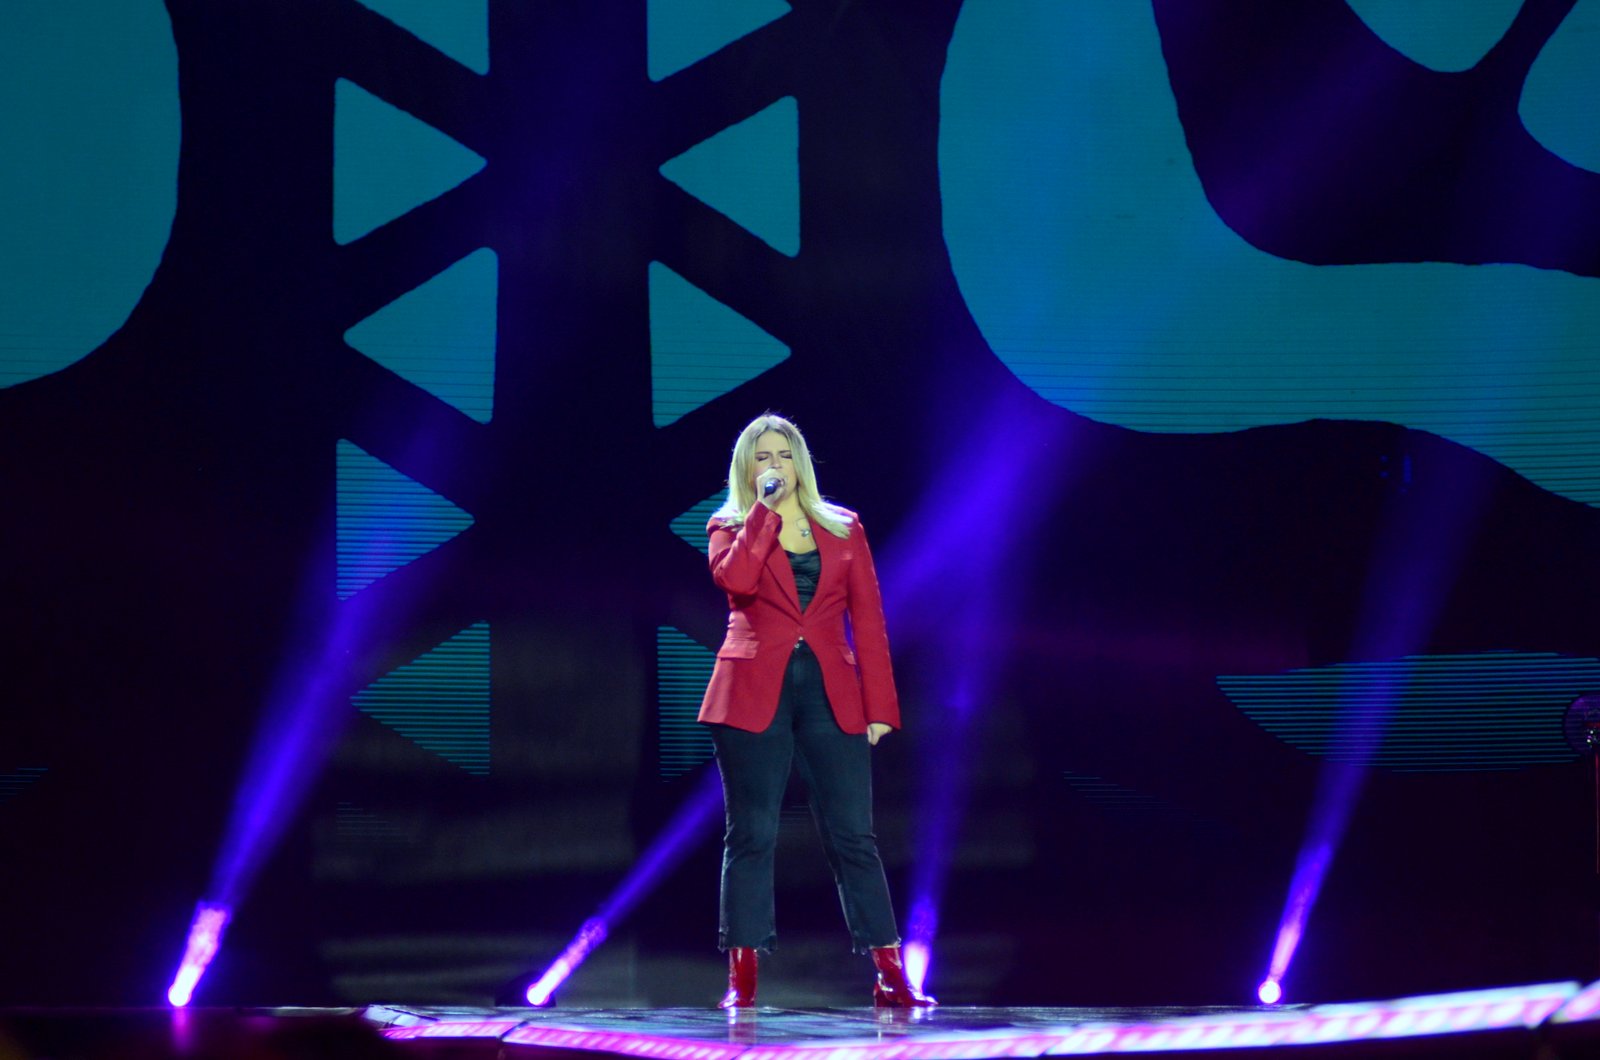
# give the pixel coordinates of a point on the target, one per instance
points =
(1550, 1021)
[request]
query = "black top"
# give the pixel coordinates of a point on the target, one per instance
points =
(807, 567)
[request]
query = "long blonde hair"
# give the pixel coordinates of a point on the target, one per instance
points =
(741, 475)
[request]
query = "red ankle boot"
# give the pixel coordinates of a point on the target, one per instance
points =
(741, 978)
(892, 989)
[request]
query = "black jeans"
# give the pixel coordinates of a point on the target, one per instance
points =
(837, 770)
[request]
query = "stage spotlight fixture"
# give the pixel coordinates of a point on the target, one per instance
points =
(588, 937)
(205, 935)
(1269, 992)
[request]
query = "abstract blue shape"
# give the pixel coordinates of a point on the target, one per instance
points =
(751, 172)
(89, 187)
(1558, 98)
(20, 779)
(1113, 796)
(1443, 35)
(459, 28)
(386, 162)
(440, 700)
(691, 525)
(1137, 807)
(1438, 713)
(385, 519)
(441, 335)
(683, 666)
(356, 825)
(699, 348)
(1098, 272)
(683, 31)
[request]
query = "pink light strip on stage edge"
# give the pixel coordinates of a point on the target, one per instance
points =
(495, 1028)
(1482, 1010)
(662, 1047)
(1585, 1006)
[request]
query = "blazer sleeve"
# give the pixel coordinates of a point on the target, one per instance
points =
(737, 554)
(879, 700)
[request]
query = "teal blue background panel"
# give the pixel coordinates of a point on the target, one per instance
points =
(386, 162)
(89, 185)
(1445, 35)
(683, 666)
(691, 525)
(459, 28)
(1558, 104)
(440, 700)
(385, 519)
(441, 335)
(681, 32)
(751, 172)
(699, 348)
(1423, 713)
(1099, 273)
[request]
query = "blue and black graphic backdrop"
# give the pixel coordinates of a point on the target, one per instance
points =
(1219, 378)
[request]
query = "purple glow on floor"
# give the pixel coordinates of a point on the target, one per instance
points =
(205, 936)
(592, 934)
(916, 957)
(687, 827)
(676, 1035)
(917, 952)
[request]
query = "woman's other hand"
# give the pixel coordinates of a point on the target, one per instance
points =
(877, 731)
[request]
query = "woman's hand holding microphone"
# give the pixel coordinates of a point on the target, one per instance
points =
(772, 487)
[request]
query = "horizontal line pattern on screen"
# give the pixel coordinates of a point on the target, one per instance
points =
(15, 781)
(691, 525)
(1535, 418)
(440, 700)
(385, 519)
(1423, 713)
(683, 666)
(353, 823)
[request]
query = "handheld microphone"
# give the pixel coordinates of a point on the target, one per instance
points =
(771, 487)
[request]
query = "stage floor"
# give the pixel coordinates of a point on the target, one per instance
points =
(1550, 1021)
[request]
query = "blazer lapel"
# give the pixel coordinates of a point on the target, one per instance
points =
(832, 550)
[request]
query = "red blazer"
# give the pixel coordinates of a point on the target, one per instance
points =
(765, 622)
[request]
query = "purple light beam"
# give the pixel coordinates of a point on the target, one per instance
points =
(1418, 557)
(667, 849)
(205, 936)
(922, 578)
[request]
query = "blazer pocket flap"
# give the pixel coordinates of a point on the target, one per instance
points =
(743, 648)
(849, 656)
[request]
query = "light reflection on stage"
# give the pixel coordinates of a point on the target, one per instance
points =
(1542, 1014)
